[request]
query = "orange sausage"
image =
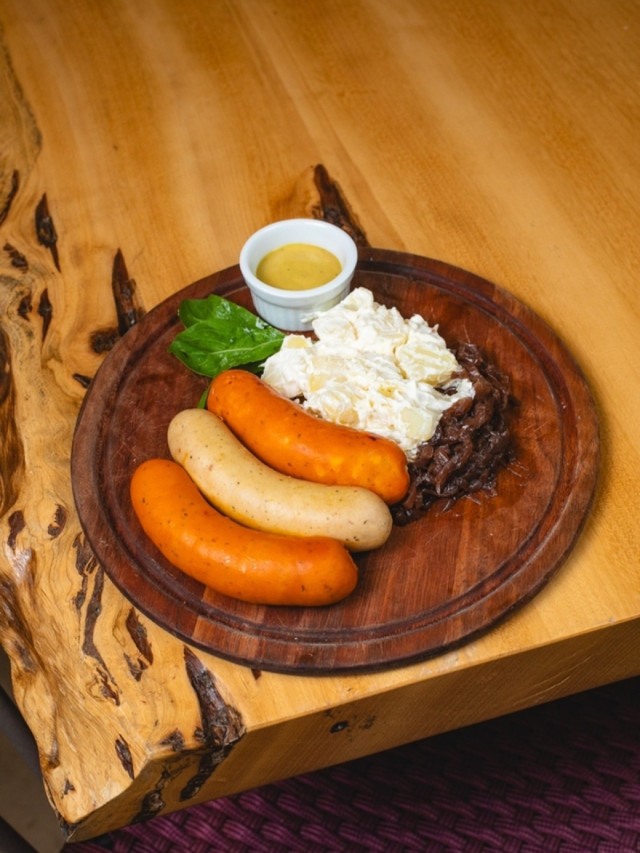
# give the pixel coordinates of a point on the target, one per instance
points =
(295, 442)
(253, 566)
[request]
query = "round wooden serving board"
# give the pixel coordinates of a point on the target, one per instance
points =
(438, 581)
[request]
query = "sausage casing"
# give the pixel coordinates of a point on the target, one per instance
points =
(296, 442)
(256, 567)
(244, 488)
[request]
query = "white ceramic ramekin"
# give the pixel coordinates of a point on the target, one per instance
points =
(289, 309)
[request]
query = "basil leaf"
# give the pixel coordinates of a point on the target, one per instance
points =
(219, 334)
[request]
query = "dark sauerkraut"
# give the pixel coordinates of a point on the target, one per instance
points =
(470, 445)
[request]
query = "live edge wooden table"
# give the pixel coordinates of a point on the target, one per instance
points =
(140, 144)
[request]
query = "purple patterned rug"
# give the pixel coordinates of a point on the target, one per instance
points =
(561, 777)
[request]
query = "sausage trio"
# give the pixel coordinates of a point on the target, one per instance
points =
(263, 501)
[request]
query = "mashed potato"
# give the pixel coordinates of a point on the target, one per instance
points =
(371, 369)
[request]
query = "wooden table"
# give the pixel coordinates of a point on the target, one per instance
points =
(140, 144)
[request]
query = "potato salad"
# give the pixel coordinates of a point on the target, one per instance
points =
(372, 369)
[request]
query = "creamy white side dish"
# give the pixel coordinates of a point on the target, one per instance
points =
(372, 369)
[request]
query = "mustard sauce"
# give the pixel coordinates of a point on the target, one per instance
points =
(298, 266)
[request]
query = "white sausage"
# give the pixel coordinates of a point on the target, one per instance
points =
(237, 483)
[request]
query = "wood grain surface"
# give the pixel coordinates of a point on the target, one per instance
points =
(437, 581)
(140, 143)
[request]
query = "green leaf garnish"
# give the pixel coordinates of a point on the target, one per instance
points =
(219, 334)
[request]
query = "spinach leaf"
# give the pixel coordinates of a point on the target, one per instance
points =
(219, 334)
